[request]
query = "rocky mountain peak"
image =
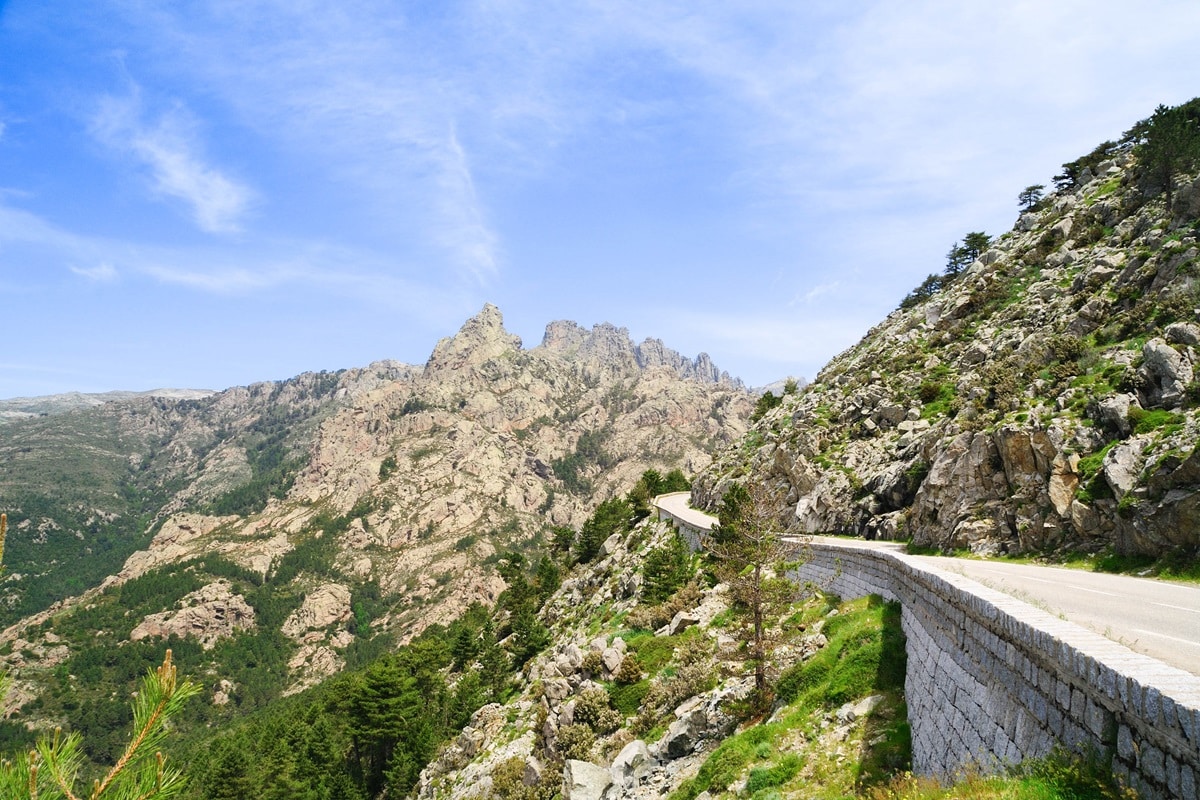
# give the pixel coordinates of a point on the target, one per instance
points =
(610, 346)
(480, 339)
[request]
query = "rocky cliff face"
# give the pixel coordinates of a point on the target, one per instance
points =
(1044, 399)
(403, 481)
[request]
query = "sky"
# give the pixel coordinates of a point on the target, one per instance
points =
(213, 193)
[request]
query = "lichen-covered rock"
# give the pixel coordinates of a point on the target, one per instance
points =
(583, 780)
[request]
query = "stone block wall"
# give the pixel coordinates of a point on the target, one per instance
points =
(992, 680)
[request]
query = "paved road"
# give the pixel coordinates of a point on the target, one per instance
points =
(1157, 618)
(677, 506)
(1160, 619)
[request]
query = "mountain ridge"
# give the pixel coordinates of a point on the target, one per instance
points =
(368, 503)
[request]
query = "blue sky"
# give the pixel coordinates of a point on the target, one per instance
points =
(207, 194)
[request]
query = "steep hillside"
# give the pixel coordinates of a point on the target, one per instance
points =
(86, 487)
(301, 526)
(1044, 398)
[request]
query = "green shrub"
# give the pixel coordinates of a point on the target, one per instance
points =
(593, 709)
(575, 741)
(628, 698)
(387, 467)
(770, 777)
(766, 402)
(630, 670)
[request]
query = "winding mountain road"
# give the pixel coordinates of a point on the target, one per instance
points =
(1160, 619)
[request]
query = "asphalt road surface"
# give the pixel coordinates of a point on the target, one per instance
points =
(1160, 619)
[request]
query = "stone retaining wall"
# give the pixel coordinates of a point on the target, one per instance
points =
(693, 534)
(992, 680)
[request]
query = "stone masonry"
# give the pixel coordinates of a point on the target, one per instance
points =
(992, 680)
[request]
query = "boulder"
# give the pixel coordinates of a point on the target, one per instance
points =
(631, 764)
(612, 658)
(1123, 465)
(534, 769)
(1184, 333)
(1165, 374)
(1113, 413)
(556, 689)
(681, 622)
(573, 656)
(583, 780)
(852, 711)
(610, 545)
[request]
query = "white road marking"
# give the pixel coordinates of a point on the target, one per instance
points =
(1177, 608)
(1006, 574)
(1164, 636)
(1093, 591)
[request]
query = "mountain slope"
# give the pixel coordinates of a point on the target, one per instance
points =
(1043, 399)
(85, 488)
(301, 526)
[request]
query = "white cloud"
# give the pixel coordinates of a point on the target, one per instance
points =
(101, 273)
(169, 149)
(364, 100)
(815, 292)
(328, 271)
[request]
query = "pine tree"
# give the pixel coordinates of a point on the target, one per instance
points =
(50, 771)
(753, 559)
(1170, 143)
(1030, 196)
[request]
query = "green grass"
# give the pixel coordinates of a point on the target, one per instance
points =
(865, 655)
(1148, 421)
(628, 699)
(865, 652)
(1056, 777)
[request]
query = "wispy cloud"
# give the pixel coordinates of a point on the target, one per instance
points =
(169, 148)
(101, 273)
(370, 101)
(815, 292)
(241, 269)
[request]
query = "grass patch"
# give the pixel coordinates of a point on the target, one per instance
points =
(1148, 421)
(865, 656)
(1056, 777)
(1180, 564)
(653, 652)
(865, 653)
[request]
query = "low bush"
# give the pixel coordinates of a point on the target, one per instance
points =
(593, 709)
(575, 741)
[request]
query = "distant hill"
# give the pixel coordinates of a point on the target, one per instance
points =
(25, 407)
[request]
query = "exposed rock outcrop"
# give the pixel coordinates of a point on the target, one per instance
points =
(406, 480)
(207, 614)
(1041, 400)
